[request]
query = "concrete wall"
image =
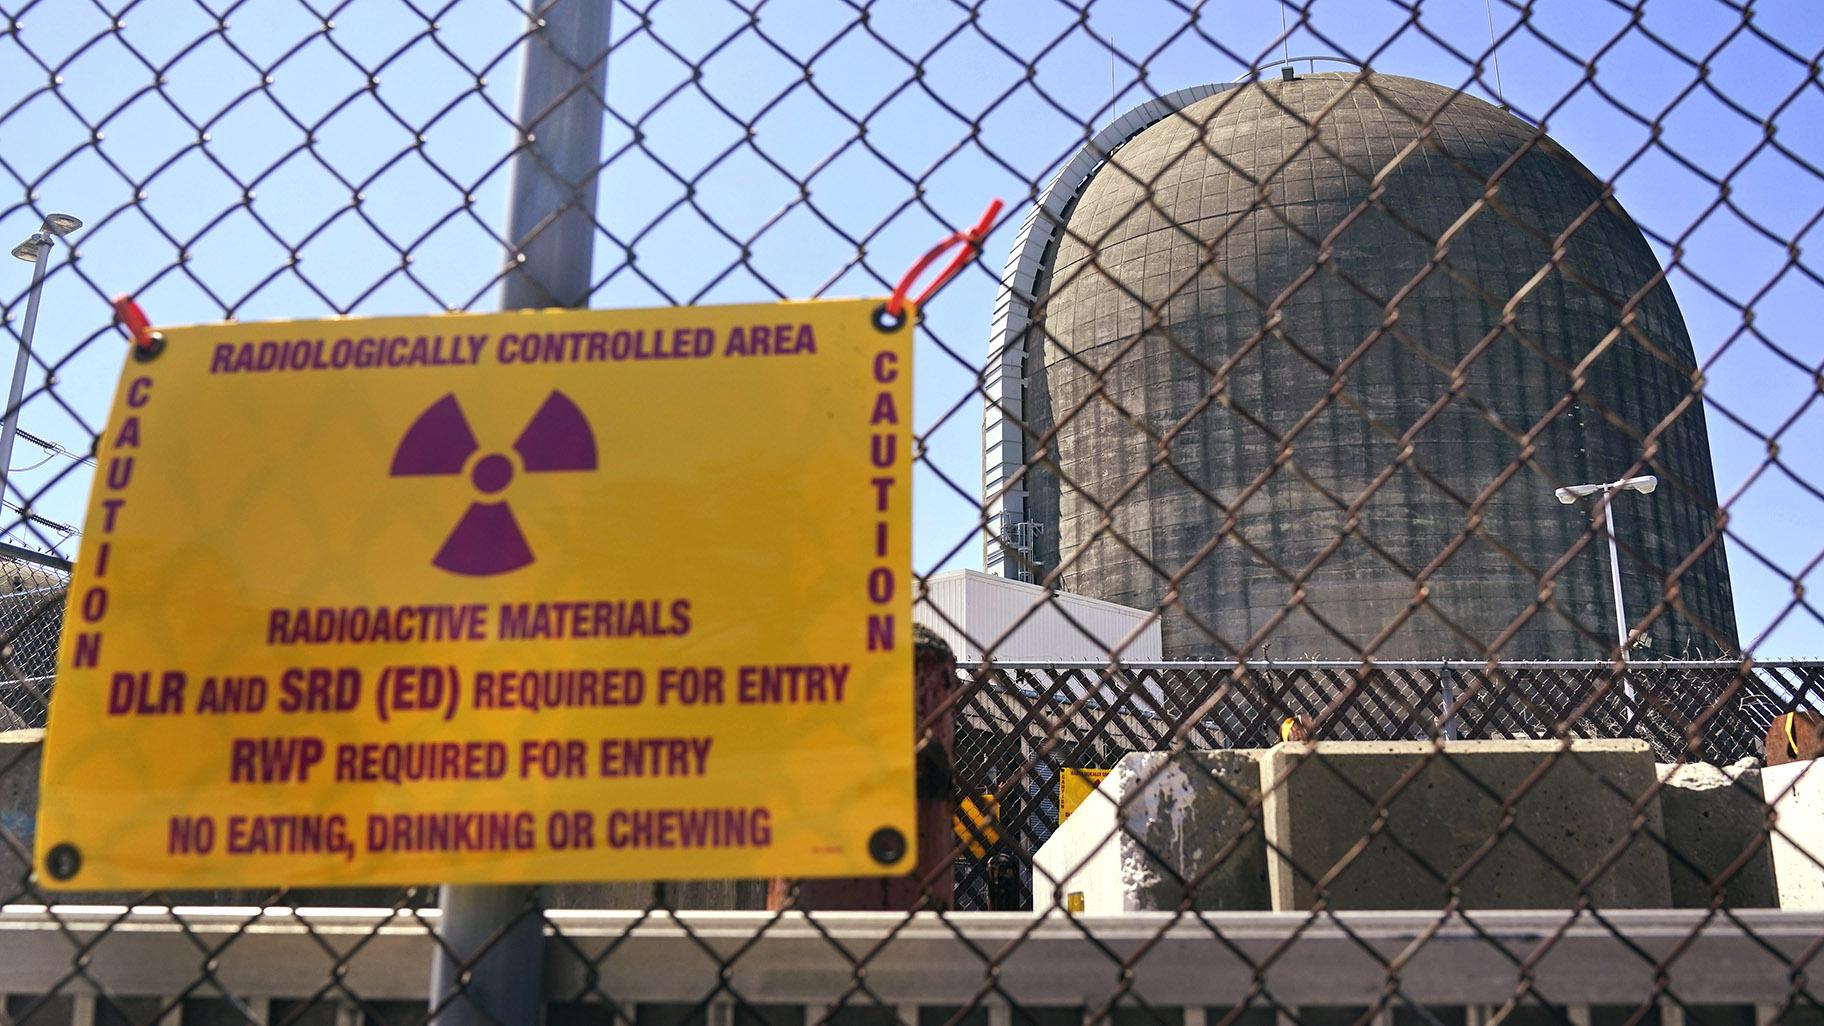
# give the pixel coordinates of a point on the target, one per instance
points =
(19, 750)
(1158, 827)
(1160, 274)
(1159, 821)
(1716, 833)
(1571, 828)
(1796, 792)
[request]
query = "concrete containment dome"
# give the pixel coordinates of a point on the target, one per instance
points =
(1314, 381)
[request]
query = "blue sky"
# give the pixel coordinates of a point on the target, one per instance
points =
(193, 117)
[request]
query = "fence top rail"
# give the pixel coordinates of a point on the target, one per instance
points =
(43, 559)
(1393, 664)
(1638, 923)
(635, 956)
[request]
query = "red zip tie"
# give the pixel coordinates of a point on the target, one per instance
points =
(128, 314)
(970, 240)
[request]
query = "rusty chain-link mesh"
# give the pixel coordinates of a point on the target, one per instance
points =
(1283, 357)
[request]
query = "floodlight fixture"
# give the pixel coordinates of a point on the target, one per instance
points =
(1643, 484)
(61, 224)
(36, 249)
(54, 227)
(1569, 494)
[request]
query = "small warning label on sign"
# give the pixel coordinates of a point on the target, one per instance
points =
(535, 596)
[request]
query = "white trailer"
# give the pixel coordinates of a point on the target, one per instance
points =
(1014, 621)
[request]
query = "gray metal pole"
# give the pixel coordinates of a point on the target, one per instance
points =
(1447, 695)
(494, 934)
(10, 429)
(1621, 615)
(562, 100)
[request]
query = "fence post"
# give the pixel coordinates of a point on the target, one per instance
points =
(1447, 716)
(494, 935)
(562, 101)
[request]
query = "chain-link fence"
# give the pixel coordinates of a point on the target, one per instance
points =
(29, 631)
(1390, 433)
(1025, 730)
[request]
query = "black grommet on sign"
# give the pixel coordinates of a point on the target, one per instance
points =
(886, 322)
(155, 345)
(887, 846)
(63, 861)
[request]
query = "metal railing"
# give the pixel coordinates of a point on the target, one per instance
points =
(367, 965)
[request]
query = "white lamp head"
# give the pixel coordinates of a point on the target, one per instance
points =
(55, 226)
(1643, 485)
(61, 224)
(1572, 493)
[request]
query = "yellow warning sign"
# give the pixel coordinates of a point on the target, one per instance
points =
(534, 596)
(1074, 788)
(975, 823)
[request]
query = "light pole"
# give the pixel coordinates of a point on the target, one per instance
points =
(36, 249)
(1571, 494)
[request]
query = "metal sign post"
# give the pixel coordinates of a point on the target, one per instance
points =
(493, 935)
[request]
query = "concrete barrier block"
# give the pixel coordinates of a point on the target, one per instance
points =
(1444, 824)
(1158, 825)
(1716, 817)
(1796, 792)
(19, 757)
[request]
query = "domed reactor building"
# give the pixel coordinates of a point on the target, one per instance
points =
(1279, 358)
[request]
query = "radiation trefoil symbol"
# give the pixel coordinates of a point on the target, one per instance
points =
(487, 539)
